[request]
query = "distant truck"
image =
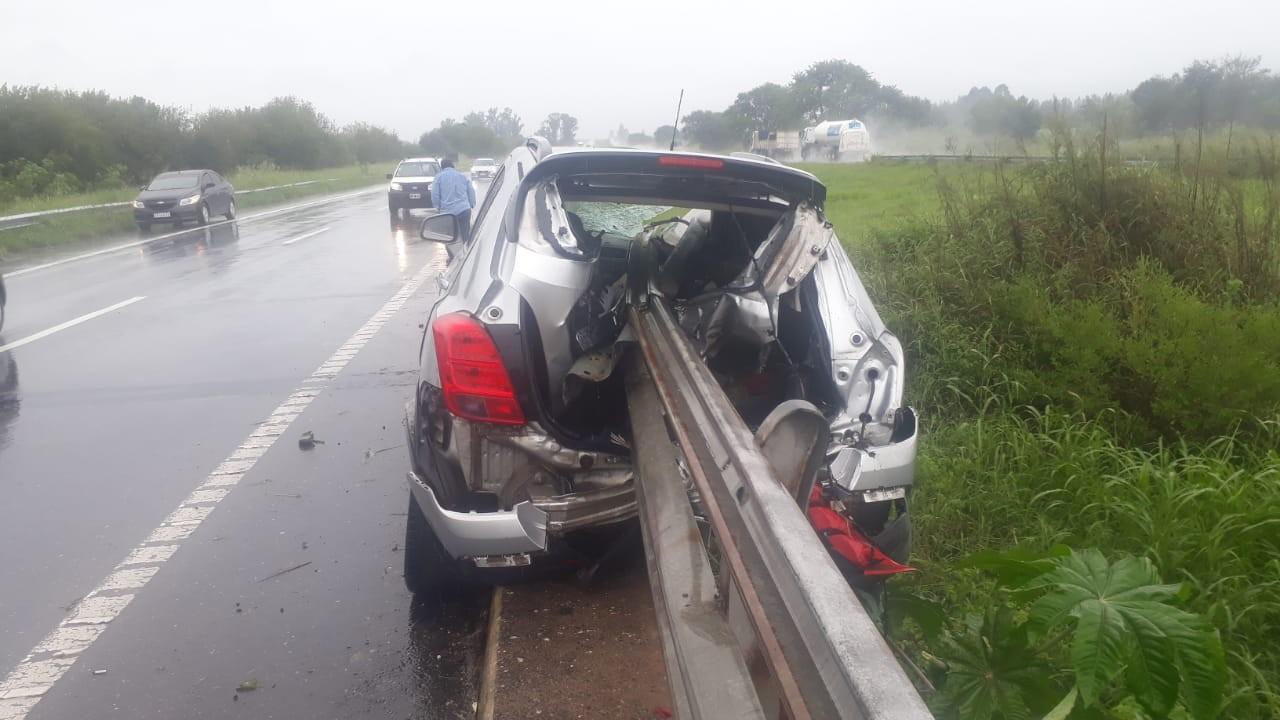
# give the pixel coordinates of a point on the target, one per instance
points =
(777, 144)
(838, 140)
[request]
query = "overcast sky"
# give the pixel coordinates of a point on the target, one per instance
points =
(407, 65)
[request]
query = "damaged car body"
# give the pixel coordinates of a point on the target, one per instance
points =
(519, 428)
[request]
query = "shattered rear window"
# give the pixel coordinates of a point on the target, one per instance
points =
(626, 219)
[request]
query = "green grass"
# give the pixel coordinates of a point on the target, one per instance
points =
(1092, 373)
(872, 197)
(79, 227)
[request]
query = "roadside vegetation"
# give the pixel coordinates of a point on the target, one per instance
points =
(56, 143)
(1094, 348)
(82, 226)
(1158, 119)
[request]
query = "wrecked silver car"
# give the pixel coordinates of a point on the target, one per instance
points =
(519, 433)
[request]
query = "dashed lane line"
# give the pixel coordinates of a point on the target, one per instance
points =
(70, 323)
(37, 673)
(304, 236)
(166, 236)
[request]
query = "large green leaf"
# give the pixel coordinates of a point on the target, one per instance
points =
(1013, 567)
(1098, 651)
(1153, 669)
(1201, 662)
(992, 673)
(1062, 710)
(1124, 624)
(929, 615)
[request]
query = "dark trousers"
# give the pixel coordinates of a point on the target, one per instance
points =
(464, 225)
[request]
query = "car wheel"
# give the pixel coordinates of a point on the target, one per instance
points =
(144, 228)
(429, 573)
(231, 210)
(395, 211)
(202, 217)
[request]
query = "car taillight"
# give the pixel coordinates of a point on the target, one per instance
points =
(473, 377)
(703, 163)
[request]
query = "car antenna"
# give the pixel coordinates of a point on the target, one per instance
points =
(675, 128)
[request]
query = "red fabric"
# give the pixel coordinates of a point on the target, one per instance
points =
(848, 541)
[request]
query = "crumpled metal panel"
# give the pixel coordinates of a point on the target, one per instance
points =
(796, 253)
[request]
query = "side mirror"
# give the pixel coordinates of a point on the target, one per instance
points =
(388, 176)
(442, 228)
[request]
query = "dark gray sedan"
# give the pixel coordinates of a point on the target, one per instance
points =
(184, 196)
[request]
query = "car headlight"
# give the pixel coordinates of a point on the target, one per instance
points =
(396, 186)
(189, 200)
(138, 204)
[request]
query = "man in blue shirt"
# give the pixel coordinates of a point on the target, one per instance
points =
(453, 194)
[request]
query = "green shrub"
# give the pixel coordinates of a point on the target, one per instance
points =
(1096, 357)
(1208, 516)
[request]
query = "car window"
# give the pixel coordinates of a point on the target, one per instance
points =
(174, 182)
(417, 169)
(627, 219)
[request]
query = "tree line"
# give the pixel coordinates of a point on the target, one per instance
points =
(493, 132)
(57, 141)
(1205, 94)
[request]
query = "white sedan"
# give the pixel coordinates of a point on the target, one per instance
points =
(483, 168)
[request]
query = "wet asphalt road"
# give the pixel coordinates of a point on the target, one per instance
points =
(106, 426)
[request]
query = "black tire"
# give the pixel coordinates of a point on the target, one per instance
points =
(395, 211)
(231, 209)
(144, 228)
(429, 573)
(202, 216)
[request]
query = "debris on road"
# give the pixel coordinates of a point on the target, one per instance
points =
(248, 685)
(296, 496)
(98, 672)
(308, 440)
(370, 452)
(286, 570)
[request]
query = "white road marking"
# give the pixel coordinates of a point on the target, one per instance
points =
(304, 236)
(23, 687)
(70, 323)
(166, 236)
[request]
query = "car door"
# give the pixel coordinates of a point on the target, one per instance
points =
(222, 189)
(209, 190)
(228, 190)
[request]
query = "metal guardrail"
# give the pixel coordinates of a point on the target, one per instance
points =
(763, 625)
(966, 157)
(12, 222)
(963, 157)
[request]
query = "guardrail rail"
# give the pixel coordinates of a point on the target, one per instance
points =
(13, 222)
(756, 620)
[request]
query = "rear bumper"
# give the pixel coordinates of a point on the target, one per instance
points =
(527, 526)
(523, 529)
(184, 213)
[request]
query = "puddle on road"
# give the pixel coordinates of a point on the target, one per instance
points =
(437, 677)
